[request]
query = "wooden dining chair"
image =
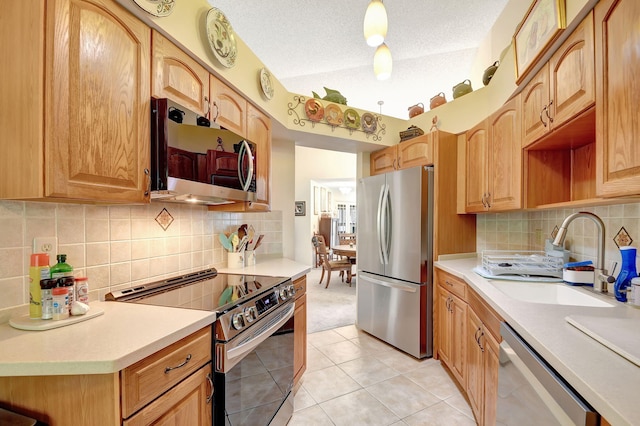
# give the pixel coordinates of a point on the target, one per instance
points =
(329, 265)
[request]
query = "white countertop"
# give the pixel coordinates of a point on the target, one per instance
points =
(123, 335)
(271, 266)
(606, 380)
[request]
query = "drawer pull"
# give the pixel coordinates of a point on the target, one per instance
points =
(186, 361)
(210, 397)
(448, 283)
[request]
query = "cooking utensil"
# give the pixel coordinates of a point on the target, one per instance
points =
(462, 89)
(224, 240)
(437, 100)
(242, 230)
(259, 241)
(251, 232)
(235, 240)
(488, 73)
(243, 243)
(416, 109)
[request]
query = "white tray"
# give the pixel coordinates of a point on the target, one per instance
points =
(23, 322)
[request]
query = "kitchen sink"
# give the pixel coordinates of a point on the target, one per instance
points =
(550, 293)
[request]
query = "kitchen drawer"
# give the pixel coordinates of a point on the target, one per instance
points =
(145, 380)
(453, 284)
(487, 315)
(300, 285)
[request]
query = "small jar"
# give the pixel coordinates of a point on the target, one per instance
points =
(82, 290)
(46, 287)
(60, 297)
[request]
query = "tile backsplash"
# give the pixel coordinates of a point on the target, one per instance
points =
(529, 230)
(117, 246)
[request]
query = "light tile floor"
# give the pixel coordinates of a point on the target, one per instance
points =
(355, 379)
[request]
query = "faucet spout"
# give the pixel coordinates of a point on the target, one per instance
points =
(562, 233)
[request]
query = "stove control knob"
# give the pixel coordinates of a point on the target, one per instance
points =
(292, 289)
(237, 320)
(251, 314)
(284, 293)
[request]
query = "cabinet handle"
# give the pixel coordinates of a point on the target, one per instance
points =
(479, 342)
(208, 105)
(475, 336)
(484, 204)
(217, 111)
(186, 361)
(394, 164)
(147, 174)
(448, 283)
(488, 200)
(546, 113)
(210, 397)
(399, 163)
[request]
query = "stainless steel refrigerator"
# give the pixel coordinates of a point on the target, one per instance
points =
(395, 259)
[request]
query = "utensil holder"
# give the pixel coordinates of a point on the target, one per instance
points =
(249, 257)
(235, 259)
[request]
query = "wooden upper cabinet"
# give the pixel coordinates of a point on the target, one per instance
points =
(97, 105)
(477, 172)
(505, 158)
(563, 88)
(259, 132)
(383, 160)
(494, 161)
(228, 108)
(617, 114)
(414, 152)
(175, 75)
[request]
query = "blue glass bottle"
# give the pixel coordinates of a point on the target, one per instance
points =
(627, 272)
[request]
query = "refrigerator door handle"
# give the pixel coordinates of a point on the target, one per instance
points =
(390, 284)
(379, 220)
(386, 224)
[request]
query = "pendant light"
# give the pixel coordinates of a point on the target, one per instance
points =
(382, 63)
(375, 23)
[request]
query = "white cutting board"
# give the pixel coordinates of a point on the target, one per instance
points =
(621, 335)
(23, 322)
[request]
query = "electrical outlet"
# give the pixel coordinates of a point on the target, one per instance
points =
(47, 245)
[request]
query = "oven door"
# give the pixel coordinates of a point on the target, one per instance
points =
(254, 373)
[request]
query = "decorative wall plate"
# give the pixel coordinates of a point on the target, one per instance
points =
(351, 119)
(314, 109)
(265, 83)
(369, 122)
(158, 8)
(333, 115)
(221, 37)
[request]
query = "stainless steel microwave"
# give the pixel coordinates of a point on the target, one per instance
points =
(193, 161)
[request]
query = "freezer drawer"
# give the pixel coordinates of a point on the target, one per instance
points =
(397, 312)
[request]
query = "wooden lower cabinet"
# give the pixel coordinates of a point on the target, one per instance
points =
(181, 396)
(300, 330)
(470, 350)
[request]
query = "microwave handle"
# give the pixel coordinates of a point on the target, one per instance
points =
(245, 181)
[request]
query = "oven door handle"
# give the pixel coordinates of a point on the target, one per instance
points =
(256, 340)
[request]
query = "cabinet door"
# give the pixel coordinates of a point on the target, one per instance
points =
(443, 325)
(259, 132)
(383, 161)
(505, 158)
(417, 151)
(97, 108)
(491, 366)
(571, 73)
(300, 338)
(475, 365)
(175, 75)
(534, 101)
(188, 403)
(477, 152)
(458, 338)
(228, 108)
(617, 114)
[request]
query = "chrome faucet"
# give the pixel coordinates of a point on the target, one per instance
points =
(601, 278)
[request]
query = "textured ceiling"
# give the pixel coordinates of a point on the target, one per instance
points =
(310, 45)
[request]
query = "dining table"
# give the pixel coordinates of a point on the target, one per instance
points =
(348, 251)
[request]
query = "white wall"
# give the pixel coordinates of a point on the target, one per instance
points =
(283, 190)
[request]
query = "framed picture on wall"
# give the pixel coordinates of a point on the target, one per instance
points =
(316, 200)
(301, 209)
(542, 24)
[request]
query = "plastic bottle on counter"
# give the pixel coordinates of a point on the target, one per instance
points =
(62, 268)
(60, 303)
(69, 284)
(82, 290)
(46, 287)
(38, 270)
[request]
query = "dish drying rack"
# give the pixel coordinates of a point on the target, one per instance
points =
(522, 263)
